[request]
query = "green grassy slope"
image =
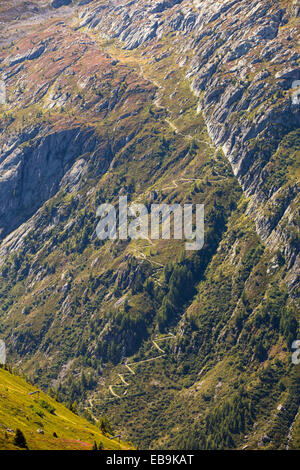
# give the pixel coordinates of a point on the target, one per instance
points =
(19, 409)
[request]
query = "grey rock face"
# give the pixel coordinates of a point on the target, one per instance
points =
(244, 103)
(32, 172)
(60, 3)
(296, 8)
(31, 55)
(163, 5)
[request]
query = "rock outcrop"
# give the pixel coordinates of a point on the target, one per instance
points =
(242, 62)
(32, 174)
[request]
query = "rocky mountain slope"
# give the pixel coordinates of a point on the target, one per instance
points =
(166, 101)
(241, 60)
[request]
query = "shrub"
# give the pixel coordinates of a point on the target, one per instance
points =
(105, 426)
(44, 404)
(260, 352)
(19, 440)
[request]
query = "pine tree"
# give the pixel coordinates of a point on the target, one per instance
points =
(19, 439)
(100, 446)
(95, 446)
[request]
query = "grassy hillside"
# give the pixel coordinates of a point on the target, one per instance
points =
(29, 413)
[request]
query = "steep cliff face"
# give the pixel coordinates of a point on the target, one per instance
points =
(167, 101)
(32, 174)
(243, 63)
(53, 78)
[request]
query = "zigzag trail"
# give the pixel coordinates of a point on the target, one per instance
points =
(173, 126)
(131, 365)
(130, 372)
